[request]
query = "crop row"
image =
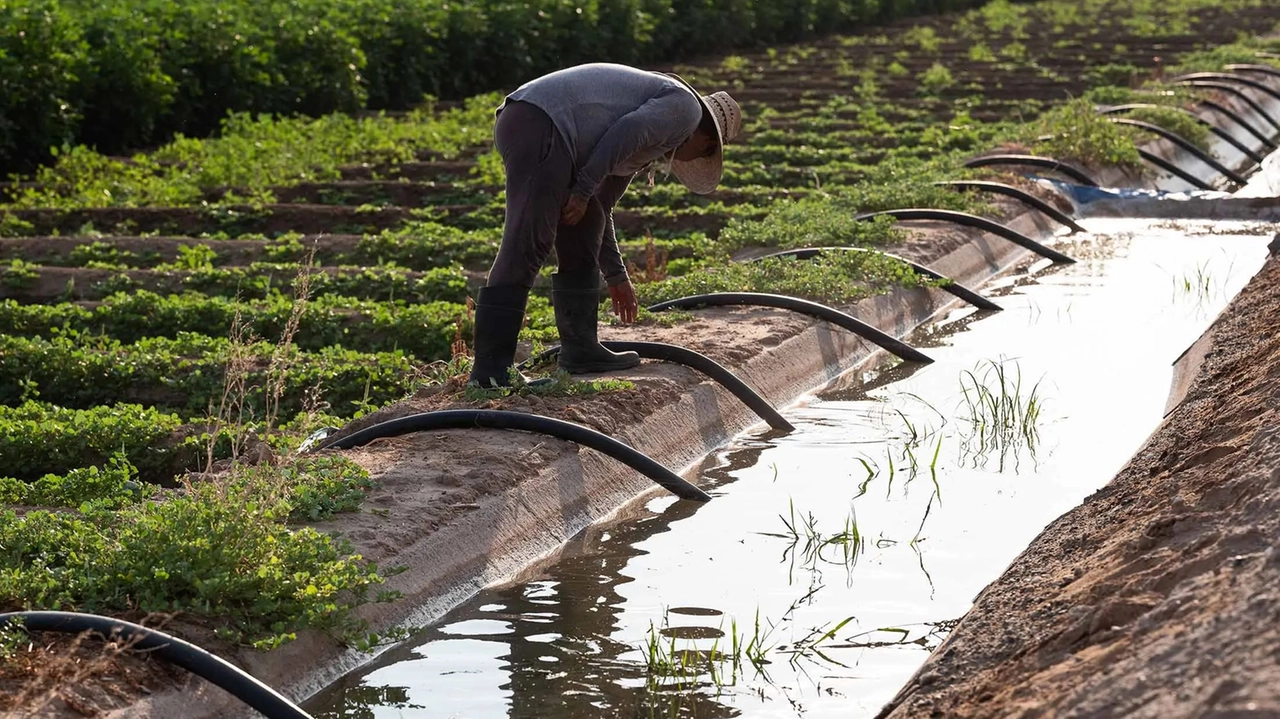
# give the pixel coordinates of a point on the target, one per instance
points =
(189, 374)
(256, 281)
(127, 74)
(38, 439)
(216, 549)
(253, 154)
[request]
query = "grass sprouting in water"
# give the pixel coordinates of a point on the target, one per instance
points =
(1003, 416)
(681, 665)
(1200, 286)
(812, 547)
(669, 665)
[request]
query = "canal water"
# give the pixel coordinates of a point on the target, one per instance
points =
(833, 559)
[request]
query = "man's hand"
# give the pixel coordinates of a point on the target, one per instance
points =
(625, 305)
(574, 209)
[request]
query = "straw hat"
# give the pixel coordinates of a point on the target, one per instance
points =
(702, 175)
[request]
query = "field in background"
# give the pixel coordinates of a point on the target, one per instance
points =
(222, 298)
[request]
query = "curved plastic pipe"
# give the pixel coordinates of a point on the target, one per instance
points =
(968, 220)
(695, 360)
(171, 649)
(1236, 118)
(499, 419)
(955, 288)
(795, 304)
(1230, 77)
(1233, 90)
(1251, 67)
(1185, 144)
(1000, 188)
(1174, 170)
(1226, 136)
(1047, 163)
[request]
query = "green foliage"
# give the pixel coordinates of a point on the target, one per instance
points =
(1175, 122)
(423, 244)
(1075, 132)
(43, 55)
(320, 487)
(252, 154)
(980, 52)
(106, 487)
(1212, 60)
(133, 73)
(830, 220)
(217, 548)
(936, 79)
(188, 373)
(808, 223)
(424, 330)
(835, 277)
(37, 439)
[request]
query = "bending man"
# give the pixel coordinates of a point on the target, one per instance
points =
(571, 142)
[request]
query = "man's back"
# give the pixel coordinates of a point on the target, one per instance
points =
(585, 101)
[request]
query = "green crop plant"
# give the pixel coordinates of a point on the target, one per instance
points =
(252, 155)
(18, 274)
(112, 485)
(131, 74)
(39, 439)
(264, 281)
(424, 330)
(186, 373)
(924, 38)
(981, 52)
(936, 79)
(220, 548)
(1073, 131)
(834, 277)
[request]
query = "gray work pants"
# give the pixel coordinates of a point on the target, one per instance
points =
(539, 176)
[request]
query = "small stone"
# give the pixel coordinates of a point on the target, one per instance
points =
(1274, 246)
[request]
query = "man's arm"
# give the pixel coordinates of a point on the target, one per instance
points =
(610, 257)
(656, 127)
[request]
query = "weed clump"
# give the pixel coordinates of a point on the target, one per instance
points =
(1074, 131)
(833, 277)
(218, 547)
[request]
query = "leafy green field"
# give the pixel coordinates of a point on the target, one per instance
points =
(126, 74)
(168, 311)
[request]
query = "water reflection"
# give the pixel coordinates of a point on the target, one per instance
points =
(557, 655)
(846, 547)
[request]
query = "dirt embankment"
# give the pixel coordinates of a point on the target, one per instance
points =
(1159, 596)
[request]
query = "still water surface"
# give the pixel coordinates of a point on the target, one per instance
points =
(888, 509)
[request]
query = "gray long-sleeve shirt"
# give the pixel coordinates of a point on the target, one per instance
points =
(615, 120)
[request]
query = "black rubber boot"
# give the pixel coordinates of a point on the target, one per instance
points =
(499, 317)
(576, 299)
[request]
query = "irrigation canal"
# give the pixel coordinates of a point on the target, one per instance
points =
(900, 495)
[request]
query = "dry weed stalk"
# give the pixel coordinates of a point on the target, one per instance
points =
(655, 262)
(64, 675)
(231, 403)
(231, 413)
(285, 352)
